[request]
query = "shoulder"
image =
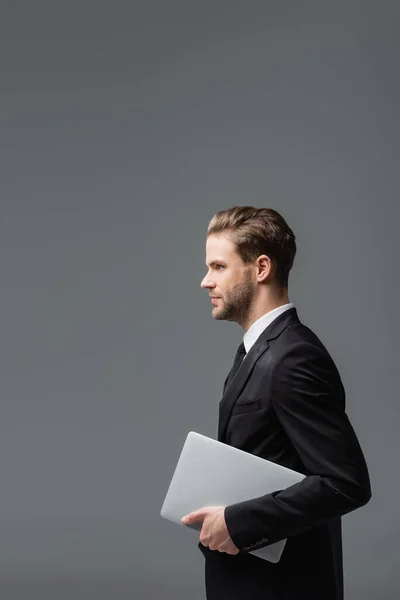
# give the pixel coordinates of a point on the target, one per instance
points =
(297, 339)
(298, 352)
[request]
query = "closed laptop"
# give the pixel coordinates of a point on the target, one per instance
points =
(211, 473)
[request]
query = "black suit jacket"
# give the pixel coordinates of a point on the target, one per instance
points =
(286, 403)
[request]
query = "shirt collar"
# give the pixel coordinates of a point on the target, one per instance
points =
(254, 332)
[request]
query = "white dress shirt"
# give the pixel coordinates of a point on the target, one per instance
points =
(254, 332)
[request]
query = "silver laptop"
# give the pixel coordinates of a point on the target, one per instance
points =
(210, 473)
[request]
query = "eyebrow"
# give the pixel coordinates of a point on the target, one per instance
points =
(216, 262)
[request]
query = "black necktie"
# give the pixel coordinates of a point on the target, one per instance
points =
(240, 354)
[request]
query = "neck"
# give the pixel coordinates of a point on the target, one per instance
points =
(265, 304)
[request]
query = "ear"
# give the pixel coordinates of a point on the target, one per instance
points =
(265, 268)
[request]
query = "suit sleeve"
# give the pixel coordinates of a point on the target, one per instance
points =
(308, 398)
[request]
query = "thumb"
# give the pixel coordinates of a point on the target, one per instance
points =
(194, 516)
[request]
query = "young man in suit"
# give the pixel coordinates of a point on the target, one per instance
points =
(283, 401)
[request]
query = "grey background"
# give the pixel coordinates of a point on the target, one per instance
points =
(124, 127)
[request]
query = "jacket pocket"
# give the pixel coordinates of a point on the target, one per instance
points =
(242, 408)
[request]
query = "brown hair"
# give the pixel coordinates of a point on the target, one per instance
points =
(256, 231)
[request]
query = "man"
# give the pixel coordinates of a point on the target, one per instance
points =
(283, 401)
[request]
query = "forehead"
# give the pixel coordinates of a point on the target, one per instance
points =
(220, 248)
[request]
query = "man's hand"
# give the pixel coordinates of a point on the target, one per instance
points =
(214, 532)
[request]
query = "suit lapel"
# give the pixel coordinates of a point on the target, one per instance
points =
(235, 387)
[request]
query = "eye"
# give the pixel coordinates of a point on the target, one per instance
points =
(217, 267)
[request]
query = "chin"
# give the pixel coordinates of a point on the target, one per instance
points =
(219, 316)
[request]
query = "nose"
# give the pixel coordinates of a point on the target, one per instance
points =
(206, 283)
